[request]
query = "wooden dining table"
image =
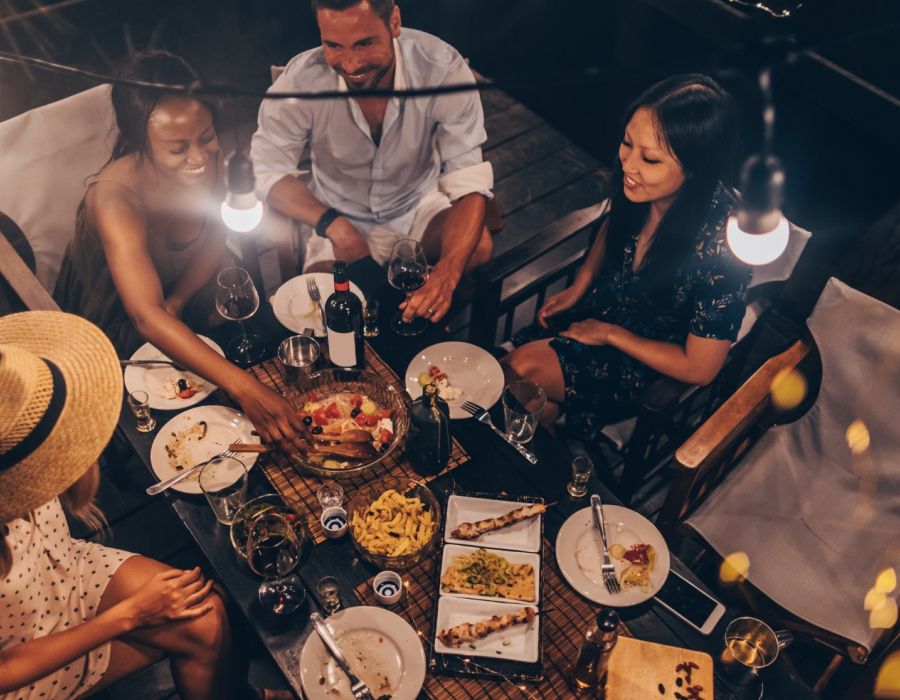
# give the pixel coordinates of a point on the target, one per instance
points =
(493, 467)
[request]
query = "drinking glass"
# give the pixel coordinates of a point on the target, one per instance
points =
(407, 271)
(751, 645)
(237, 300)
(370, 319)
(139, 403)
(224, 483)
(330, 594)
(582, 468)
(298, 356)
(330, 494)
(273, 552)
(523, 402)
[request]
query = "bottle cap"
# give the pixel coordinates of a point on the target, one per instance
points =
(608, 621)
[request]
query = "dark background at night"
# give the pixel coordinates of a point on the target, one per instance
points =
(840, 161)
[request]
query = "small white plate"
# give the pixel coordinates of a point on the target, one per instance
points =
(224, 426)
(295, 310)
(516, 643)
(451, 551)
(154, 379)
(467, 366)
(580, 554)
(381, 648)
(524, 535)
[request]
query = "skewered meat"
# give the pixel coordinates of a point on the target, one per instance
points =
(470, 631)
(469, 531)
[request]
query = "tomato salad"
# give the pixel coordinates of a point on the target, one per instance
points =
(337, 413)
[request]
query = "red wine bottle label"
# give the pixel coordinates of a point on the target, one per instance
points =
(342, 348)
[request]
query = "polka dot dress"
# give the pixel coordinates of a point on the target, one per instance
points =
(55, 583)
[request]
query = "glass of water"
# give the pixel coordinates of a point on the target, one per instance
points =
(582, 468)
(523, 402)
(139, 403)
(224, 483)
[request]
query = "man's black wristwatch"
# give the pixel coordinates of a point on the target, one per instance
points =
(325, 221)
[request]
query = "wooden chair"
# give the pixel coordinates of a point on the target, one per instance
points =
(20, 289)
(514, 285)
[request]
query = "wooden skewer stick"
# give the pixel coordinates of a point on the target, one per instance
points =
(244, 447)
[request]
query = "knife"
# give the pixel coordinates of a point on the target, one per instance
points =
(357, 687)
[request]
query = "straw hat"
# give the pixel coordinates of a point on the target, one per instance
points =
(60, 397)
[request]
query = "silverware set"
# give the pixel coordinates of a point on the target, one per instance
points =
(482, 416)
(359, 689)
(180, 476)
(607, 569)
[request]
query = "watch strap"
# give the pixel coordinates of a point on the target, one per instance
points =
(325, 221)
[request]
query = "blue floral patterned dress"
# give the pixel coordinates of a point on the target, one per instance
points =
(603, 384)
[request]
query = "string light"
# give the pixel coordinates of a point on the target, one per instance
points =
(777, 14)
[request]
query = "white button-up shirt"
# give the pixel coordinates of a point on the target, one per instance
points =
(427, 143)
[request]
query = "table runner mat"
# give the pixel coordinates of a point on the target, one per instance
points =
(298, 488)
(566, 619)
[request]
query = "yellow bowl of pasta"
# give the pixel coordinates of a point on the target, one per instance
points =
(394, 523)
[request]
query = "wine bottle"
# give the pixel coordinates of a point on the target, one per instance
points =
(344, 319)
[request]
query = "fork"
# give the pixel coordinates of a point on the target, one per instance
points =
(314, 295)
(482, 416)
(607, 570)
(168, 483)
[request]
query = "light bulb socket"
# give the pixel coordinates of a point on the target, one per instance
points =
(241, 201)
(762, 194)
(239, 175)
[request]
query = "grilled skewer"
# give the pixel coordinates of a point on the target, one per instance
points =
(470, 531)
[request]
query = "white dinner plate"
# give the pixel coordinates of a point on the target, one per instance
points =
(516, 643)
(153, 380)
(451, 551)
(468, 367)
(224, 426)
(295, 310)
(580, 553)
(524, 535)
(381, 648)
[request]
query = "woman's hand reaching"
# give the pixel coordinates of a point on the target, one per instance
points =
(272, 416)
(170, 596)
(589, 332)
(562, 301)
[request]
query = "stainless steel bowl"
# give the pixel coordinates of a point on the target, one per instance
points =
(331, 381)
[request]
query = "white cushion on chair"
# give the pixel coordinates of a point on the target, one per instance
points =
(45, 156)
(817, 521)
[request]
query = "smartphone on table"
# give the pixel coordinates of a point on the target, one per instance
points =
(687, 602)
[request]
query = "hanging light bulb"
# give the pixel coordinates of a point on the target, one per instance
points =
(758, 234)
(241, 210)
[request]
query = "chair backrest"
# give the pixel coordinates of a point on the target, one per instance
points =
(45, 156)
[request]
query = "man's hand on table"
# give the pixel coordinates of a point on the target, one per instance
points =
(432, 300)
(348, 243)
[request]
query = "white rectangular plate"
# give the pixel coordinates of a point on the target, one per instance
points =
(522, 641)
(524, 536)
(452, 551)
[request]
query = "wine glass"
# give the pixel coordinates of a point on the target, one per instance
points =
(407, 271)
(273, 552)
(237, 300)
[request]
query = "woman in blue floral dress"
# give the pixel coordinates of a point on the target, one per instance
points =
(660, 292)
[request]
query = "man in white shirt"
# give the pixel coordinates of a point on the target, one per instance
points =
(382, 168)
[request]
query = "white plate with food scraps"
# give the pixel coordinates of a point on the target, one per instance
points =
(518, 642)
(529, 595)
(196, 435)
(296, 311)
(579, 553)
(161, 383)
(472, 374)
(381, 648)
(524, 535)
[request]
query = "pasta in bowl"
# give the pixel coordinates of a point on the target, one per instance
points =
(394, 523)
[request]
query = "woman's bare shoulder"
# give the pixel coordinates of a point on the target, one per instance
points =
(118, 183)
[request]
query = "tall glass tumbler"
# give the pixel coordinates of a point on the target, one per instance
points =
(523, 402)
(224, 483)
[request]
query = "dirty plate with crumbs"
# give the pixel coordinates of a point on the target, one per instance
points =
(196, 435)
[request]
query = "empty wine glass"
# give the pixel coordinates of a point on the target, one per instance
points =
(273, 552)
(237, 300)
(407, 271)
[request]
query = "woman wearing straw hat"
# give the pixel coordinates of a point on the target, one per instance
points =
(76, 616)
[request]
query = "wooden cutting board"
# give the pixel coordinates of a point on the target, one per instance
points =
(637, 668)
